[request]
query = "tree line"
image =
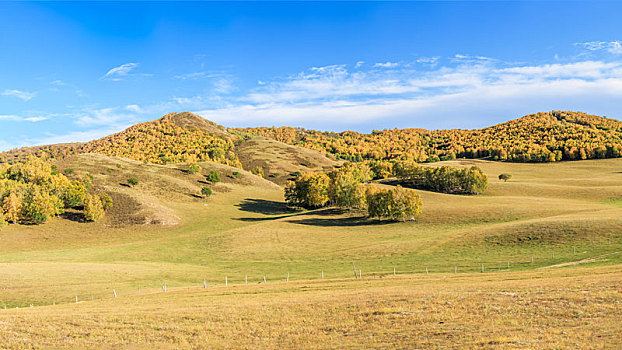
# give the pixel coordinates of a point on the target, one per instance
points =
(33, 191)
(540, 137)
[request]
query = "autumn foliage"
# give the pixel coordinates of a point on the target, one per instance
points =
(32, 192)
(541, 137)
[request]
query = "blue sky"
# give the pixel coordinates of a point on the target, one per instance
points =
(78, 71)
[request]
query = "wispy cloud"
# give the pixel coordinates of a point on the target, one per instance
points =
(120, 72)
(472, 90)
(16, 118)
(22, 95)
(613, 47)
(386, 65)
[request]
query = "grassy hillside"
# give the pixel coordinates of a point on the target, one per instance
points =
(541, 137)
(279, 161)
(571, 210)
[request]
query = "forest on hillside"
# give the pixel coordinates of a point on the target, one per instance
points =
(541, 137)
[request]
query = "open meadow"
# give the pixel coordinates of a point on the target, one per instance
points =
(549, 243)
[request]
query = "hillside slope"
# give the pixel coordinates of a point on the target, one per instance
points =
(541, 137)
(279, 161)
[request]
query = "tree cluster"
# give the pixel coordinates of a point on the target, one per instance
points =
(347, 187)
(33, 191)
(443, 179)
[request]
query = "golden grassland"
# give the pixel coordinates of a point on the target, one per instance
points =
(567, 308)
(557, 213)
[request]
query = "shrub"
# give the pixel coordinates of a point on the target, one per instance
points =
(213, 176)
(193, 169)
(132, 181)
(505, 177)
(206, 191)
(68, 171)
(236, 174)
(258, 171)
(119, 166)
(106, 200)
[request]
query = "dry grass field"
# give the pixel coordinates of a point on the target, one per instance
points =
(557, 214)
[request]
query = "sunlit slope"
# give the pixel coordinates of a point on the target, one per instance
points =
(281, 161)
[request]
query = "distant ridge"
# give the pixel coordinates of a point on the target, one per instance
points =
(539, 137)
(187, 137)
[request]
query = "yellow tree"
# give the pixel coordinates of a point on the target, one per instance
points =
(12, 207)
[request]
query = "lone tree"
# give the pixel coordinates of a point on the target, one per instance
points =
(132, 181)
(505, 177)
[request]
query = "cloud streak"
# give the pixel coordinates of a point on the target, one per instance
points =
(120, 72)
(22, 95)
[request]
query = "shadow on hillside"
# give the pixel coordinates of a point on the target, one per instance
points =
(341, 221)
(73, 215)
(266, 207)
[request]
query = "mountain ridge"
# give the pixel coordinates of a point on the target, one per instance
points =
(187, 137)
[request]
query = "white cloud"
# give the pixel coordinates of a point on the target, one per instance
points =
(19, 119)
(22, 95)
(359, 64)
(386, 65)
(118, 73)
(112, 116)
(613, 47)
(471, 93)
(133, 108)
(10, 117)
(76, 136)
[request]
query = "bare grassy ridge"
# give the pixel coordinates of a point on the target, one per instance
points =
(245, 229)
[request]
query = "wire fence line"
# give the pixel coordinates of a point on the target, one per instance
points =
(534, 261)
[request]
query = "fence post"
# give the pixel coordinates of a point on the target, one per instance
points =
(482, 267)
(322, 274)
(164, 287)
(113, 291)
(264, 279)
(245, 279)
(76, 299)
(508, 264)
(532, 259)
(426, 270)
(354, 267)
(455, 269)
(393, 271)
(360, 274)
(204, 284)
(287, 276)
(574, 250)
(226, 281)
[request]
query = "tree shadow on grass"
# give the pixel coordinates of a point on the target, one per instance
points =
(75, 215)
(342, 222)
(265, 207)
